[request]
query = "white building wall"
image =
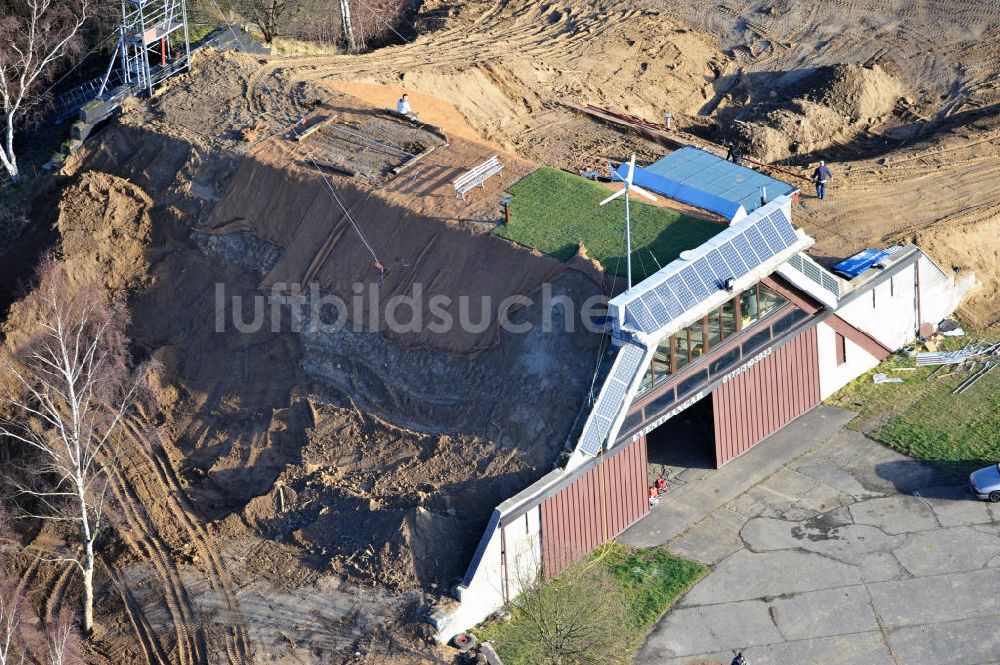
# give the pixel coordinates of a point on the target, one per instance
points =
(498, 577)
(940, 294)
(833, 377)
(891, 315)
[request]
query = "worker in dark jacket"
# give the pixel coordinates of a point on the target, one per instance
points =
(740, 660)
(819, 177)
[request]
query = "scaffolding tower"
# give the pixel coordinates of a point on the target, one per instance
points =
(153, 44)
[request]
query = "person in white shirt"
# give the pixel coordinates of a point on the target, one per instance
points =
(403, 107)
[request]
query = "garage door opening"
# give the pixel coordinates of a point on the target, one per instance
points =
(683, 448)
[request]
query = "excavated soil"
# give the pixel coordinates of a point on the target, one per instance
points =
(303, 496)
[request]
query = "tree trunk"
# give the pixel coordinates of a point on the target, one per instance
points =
(88, 591)
(345, 15)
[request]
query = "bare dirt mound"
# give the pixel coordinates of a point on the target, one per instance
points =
(105, 227)
(827, 106)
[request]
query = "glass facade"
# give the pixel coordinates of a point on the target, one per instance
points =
(686, 346)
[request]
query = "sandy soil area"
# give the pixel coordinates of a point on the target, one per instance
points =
(302, 496)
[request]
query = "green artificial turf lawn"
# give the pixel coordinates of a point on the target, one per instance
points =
(554, 211)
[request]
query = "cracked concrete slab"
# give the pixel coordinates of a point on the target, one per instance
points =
(925, 600)
(712, 539)
(857, 649)
(824, 613)
(895, 514)
(833, 550)
(847, 543)
(746, 575)
(948, 550)
(710, 627)
(955, 643)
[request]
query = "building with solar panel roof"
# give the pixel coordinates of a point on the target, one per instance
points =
(707, 357)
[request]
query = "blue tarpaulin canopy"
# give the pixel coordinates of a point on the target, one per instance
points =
(860, 262)
(691, 175)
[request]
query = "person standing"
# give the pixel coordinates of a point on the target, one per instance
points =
(820, 176)
(740, 659)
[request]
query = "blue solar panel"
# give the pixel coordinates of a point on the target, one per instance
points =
(757, 243)
(785, 229)
(742, 246)
(704, 271)
(671, 302)
(771, 236)
(643, 316)
(682, 292)
(656, 307)
(697, 287)
(718, 265)
(733, 260)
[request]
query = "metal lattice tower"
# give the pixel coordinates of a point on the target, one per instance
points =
(153, 43)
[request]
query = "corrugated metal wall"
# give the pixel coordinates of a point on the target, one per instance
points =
(766, 397)
(596, 507)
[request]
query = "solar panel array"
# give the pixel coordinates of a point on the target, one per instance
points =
(748, 246)
(613, 399)
(816, 273)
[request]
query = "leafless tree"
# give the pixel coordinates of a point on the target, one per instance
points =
(69, 388)
(34, 34)
(19, 638)
(369, 21)
(270, 16)
(576, 617)
(62, 641)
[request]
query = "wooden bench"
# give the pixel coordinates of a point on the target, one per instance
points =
(477, 176)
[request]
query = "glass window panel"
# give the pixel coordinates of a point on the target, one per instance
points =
(682, 351)
(785, 323)
(714, 329)
(768, 301)
(631, 421)
(725, 361)
(727, 314)
(696, 334)
(692, 382)
(647, 381)
(756, 341)
(749, 312)
(661, 364)
(660, 403)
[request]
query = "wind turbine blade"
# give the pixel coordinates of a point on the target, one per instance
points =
(631, 170)
(614, 173)
(639, 190)
(614, 196)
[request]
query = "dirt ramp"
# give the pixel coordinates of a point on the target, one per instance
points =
(105, 226)
(424, 257)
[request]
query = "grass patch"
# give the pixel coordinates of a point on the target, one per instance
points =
(921, 418)
(625, 590)
(554, 211)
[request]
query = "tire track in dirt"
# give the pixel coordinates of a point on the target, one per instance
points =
(57, 593)
(238, 648)
(524, 33)
(142, 535)
(144, 631)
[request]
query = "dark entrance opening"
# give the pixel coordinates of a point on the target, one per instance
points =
(683, 448)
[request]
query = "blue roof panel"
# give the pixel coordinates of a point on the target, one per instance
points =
(692, 168)
(860, 262)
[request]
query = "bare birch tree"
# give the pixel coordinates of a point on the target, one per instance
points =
(72, 388)
(34, 34)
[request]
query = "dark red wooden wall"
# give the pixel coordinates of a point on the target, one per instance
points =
(766, 397)
(594, 508)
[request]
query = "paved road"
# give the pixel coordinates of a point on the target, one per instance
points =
(848, 554)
